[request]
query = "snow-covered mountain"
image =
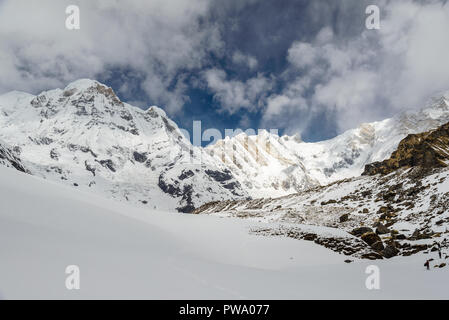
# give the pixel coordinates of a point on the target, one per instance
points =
(267, 165)
(85, 136)
(400, 206)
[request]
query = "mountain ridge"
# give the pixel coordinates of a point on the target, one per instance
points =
(321, 163)
(398, 207)
(85, 136)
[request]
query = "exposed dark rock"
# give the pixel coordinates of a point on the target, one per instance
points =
(310, 237)
(390, 251)
(89, 168)
(8, 158)
(219, 176)
(378, 245)
(231, 186)
(186, 174)
(372, 256)
(373, 240)
(344, 218)
(360, 231)
(109, 164)
(426, 150)
(400, 237)
(44, 141)
(140, 157)
(381, 229)
(168, 187)
(54, 154)
(346, 246)
(175, 191)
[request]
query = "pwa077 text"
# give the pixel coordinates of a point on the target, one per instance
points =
(246, 309)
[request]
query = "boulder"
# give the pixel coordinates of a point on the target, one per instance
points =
(371, 256)
(344, 218)
(400, 236)
(360, 231)
(310, 237)
(378, 246)
(381, 229)
(390, 251)
(373, 240)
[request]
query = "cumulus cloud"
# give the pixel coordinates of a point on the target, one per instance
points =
(234, 95)
(245, 60)
(158, 40)
(370, 76)
(329, 63)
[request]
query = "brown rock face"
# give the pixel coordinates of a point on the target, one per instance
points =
(381, 229)
(390, 251)
(360, 231)
(373, 240)
(427, 150)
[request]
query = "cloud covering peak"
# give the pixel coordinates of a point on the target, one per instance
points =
(308, 67)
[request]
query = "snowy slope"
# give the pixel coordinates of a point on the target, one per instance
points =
(408, 209)
(270, 166)
(124, 252)
(86, 137)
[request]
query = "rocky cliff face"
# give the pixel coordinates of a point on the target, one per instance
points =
(425, 150)
(10, 159)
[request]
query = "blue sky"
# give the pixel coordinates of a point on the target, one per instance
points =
(306, 67)
(265, 30)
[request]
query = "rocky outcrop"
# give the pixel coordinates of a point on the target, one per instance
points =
(10, 159)
(373, 240)
(426, 150)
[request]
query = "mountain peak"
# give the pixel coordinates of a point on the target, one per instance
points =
(157, 110)
(83, 84)
(91, 86)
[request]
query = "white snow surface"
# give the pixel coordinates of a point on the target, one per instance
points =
(129, 252)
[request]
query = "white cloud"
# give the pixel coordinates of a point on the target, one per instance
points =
(371, 76)
(156, 38)
(158, 42)
(247, 60)
(235, 95)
